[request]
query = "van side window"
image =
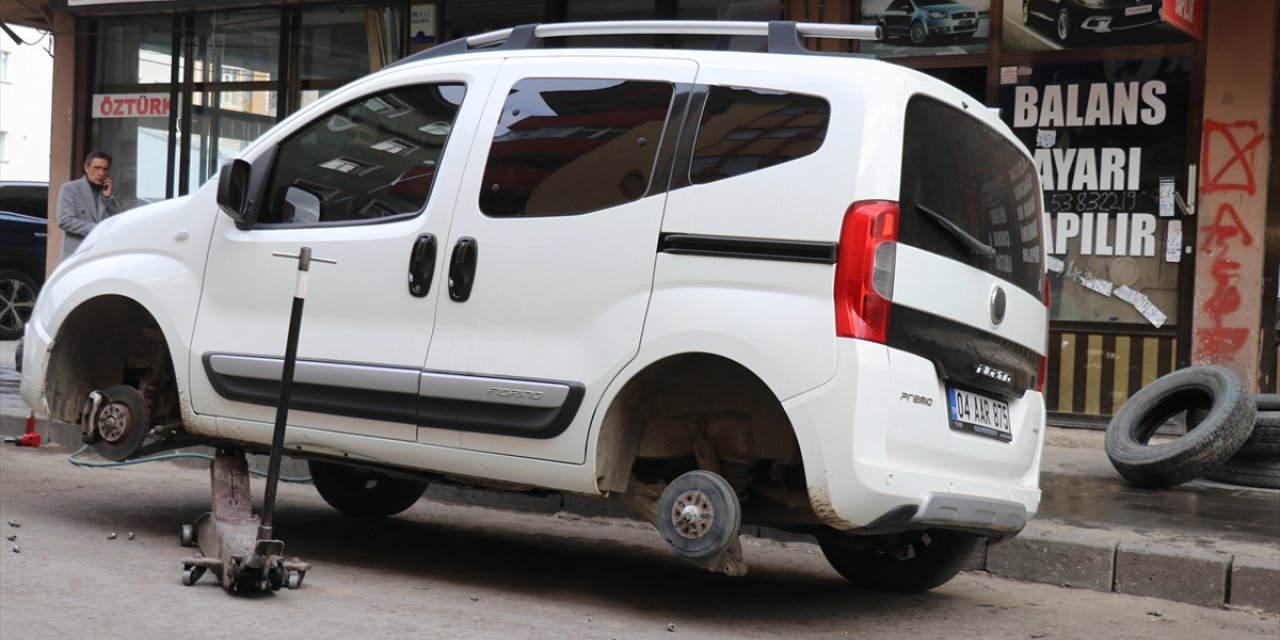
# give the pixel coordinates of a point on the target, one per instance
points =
(373, 158)
(566, 146)
(743, 130)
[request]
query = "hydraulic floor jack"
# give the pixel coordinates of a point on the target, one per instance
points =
(237, 546)
(231, 539)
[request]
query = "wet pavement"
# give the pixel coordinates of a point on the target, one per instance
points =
(1101, 502)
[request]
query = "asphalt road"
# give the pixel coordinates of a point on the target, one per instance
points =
(450, 571)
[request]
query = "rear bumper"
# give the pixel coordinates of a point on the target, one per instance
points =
(876, 461)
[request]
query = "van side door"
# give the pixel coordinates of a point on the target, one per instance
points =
(552, 249)
(369, 182)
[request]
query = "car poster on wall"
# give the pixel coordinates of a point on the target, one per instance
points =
(927, 27)
(1110, 144)
(1049, 25)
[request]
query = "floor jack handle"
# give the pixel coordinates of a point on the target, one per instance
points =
(286, 387)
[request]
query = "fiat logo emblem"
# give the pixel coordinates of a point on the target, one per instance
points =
(998, 303)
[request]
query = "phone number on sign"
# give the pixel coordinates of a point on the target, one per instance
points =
(1091, 201)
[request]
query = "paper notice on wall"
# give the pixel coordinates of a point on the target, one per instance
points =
(1008, 75)
(1128, 295)
(1149, 311)
(1142, 304)
(1167, 202)
(1097, 284)
(1173, 242)
(1054, 265)
(1046, 138)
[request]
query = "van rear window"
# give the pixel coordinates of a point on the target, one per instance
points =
(957, 168)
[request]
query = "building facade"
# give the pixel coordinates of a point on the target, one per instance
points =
(26, 63)
(1151, 124)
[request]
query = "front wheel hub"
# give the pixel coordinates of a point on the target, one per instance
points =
(113, 421)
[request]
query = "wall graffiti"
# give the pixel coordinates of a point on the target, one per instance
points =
(1228, 167)
(1234, 172)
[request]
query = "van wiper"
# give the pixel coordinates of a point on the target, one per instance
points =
(976, 246)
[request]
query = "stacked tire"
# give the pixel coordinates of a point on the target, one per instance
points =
(1257, 463)
(1232, 436)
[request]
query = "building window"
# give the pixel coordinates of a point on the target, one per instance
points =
(237, 76)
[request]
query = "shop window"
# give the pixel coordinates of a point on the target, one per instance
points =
(374, 158)
(1109, 140)
(469, 17)
(336, 44)
(134, 51)
(971, 80)
(569, 146)
(744, 130)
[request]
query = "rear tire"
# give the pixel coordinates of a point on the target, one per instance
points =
(363, 493)
(909, 562)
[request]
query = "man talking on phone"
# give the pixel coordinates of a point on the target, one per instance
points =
(83, 203)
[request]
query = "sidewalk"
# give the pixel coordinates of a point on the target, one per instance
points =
(1203, 542)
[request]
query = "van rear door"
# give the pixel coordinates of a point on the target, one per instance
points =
(969, 286)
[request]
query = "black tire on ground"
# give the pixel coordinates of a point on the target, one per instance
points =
(931, 558)
(1249, 471)
(17, 299)
(1264, 438)
(1230, 418)
(1267, 401)
(362, 492)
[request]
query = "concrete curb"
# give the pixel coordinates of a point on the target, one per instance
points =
(1045, 552)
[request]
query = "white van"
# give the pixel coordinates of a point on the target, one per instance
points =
(785, 288)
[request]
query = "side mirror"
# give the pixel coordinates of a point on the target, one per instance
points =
(233, 193)
(301, 206)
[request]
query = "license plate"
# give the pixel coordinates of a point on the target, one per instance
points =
(965, 23)
(979, 415)
(1137, 11)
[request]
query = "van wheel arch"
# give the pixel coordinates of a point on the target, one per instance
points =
(651, 425)
(107, 341)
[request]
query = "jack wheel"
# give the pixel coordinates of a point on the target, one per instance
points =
(295, 579)
(699, 515)
(121, 423)
(192, 574)
(188, 536)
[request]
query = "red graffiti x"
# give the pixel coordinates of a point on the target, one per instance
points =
(1243, 179)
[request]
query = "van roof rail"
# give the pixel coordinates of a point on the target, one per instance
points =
(784, 36)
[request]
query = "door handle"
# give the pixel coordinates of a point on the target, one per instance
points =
(462, 269)
(422, 264)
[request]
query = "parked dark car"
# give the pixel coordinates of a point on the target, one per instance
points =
(26, 197)
(1070, 17)
(922, 20)
(23, 237)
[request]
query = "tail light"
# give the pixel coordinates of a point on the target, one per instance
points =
(864, 270)
(1044, 359)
